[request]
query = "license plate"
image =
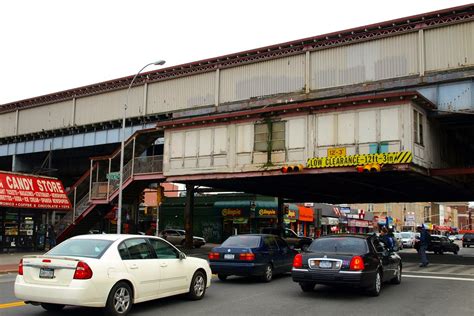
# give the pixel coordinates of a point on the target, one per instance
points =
(325, 264)
(46, 273)
(229, 256)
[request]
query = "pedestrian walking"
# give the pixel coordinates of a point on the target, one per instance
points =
(51, 236)
(424, 242)
(386, 239)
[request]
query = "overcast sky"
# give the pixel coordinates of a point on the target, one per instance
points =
(49, 46)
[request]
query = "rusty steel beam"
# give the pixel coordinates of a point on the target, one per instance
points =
(452, 171)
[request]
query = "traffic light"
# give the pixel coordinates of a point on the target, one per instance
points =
(371, 167)
(292, 168)
(160, 194)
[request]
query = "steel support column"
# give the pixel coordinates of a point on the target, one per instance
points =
(189, 215)
(280, 224)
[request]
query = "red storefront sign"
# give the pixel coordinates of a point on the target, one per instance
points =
(24, 191)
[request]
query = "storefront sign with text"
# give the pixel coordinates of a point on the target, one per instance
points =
(24, 191)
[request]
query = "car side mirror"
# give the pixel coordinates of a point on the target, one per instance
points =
(182, 256)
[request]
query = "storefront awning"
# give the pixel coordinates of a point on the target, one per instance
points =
(26, 191)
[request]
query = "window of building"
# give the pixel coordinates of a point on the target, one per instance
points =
(418, 127)
(269, 136)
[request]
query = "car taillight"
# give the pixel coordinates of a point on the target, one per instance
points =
(247, 256)
(298, 261)
(20, 267)
(83, 271)
(213, 256)
(357, 263)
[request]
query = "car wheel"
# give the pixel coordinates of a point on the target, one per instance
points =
(222, 277)
(304, 247)
(441, 252)
(268, 273)
(397, 279)
(307, 286)
(374, 290)
(119, 301)
(455, 252)
(197, 289)
(52, 307)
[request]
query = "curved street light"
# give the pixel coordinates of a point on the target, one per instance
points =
(122, 147)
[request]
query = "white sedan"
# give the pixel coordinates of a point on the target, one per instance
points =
(111, 271)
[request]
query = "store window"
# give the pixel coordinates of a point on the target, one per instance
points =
(418, 127)
(269, 136)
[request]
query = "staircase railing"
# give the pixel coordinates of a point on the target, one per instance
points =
(78, 194)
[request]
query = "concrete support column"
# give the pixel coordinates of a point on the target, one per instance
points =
(280, 214)
(20, 164)
(189, 215)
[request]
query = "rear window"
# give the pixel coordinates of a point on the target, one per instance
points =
(242, 241)
(468, 236)
(90, 248)
(347, 245)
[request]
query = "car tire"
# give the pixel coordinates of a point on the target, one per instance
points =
(267, 273)
(52, 307)
(197, 288)
(222, 277)
(441, 252)
(376, 287)
(455, 252)
(398, 277)
(307, 286)
(120, 299)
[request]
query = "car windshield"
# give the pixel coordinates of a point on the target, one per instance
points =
(242, 241)
(90, 248)
(339, 245)
(406, 235)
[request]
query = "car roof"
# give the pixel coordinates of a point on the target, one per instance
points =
(112, 237)
(257, 235)
(360, 236)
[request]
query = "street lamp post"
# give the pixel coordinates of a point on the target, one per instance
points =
(122, 147)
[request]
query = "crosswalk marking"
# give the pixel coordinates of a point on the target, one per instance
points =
(440, 269)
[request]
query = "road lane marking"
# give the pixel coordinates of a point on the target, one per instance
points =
(436, 277)
(12, 304)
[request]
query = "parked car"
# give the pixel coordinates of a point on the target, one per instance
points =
(468, 240)
(408, 239)
(288, 235)
(259, 255)
(439, 244)
(459, 236)
(346, 259)
(110, 271)
(177, 237)
(452, 237)
(398, 241)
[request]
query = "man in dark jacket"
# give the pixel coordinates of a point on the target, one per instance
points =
(424, 242)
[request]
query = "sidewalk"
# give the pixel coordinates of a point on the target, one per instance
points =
(9, 261)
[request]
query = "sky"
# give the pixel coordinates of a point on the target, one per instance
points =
(53, 45)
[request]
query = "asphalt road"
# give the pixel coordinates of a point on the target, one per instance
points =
(441, 289)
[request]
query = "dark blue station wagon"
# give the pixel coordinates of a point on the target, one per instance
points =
(259, 255)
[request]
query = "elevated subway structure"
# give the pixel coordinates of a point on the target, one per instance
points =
(337, 90)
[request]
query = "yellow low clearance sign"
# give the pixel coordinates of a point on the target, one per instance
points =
(358, 160)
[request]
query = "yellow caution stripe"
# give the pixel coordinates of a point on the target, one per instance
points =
(404, 157)
(12, 304)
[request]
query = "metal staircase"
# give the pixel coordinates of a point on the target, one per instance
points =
(94, 194)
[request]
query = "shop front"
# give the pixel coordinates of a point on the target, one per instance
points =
(301, 219)
(235, 217)
(359, 226)
(329, 225)
(28, 204)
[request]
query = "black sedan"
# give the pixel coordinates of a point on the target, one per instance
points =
(354, 260)
(259, 255)
(439, 244)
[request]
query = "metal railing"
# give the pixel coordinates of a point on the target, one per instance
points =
(70, 217)
(149, 164)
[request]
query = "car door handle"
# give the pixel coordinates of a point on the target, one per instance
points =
(164, 265)
(133, 266)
